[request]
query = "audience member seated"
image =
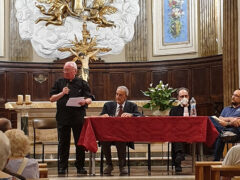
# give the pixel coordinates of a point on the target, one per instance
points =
(229, 121)
(20, 147)
(232, 158)
(183, 109)
(4, 155)
(121, 108)
(5, 124)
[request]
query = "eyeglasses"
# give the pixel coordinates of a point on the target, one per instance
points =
(184, 96)
(67, 71)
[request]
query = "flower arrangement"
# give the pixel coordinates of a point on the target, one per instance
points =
(176, 12)
(161, 97)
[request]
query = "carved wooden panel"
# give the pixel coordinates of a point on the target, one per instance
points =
(17, 83)
(181, 78)
(40, 86)
(96, 84)
(200, 78)
(203, 77)
(139, 81)
(159, 75)
(2, 87)
(115, 80)
(216, 89)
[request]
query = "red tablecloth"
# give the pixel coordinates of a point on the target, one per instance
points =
(147, 129)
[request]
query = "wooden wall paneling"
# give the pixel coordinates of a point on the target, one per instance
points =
(106, 84)
(55, 74)
(40, 86)
(17, 83)
(139, 81)
(96, 84)
(201, 84)
(115, 79)
(216, 89)
(2, 88)
(159, 75)
(181, 78)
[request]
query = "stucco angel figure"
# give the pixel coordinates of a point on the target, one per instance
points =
(97, 13)
(57, 12)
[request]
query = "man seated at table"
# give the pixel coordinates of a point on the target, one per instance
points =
(121, 108)
(182, 110)
(229, 121)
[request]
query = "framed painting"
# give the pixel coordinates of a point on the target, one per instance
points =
(174, 27)
(1, 27)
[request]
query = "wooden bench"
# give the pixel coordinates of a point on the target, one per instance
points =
(43, 170)
(203, 169)
(227, 171)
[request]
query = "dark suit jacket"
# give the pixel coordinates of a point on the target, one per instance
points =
(129, 107)
(178, 111)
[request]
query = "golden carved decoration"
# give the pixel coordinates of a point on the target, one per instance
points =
(40, 78)
(60, 9)
(84, 50)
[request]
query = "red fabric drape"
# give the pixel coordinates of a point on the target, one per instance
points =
(147, 129)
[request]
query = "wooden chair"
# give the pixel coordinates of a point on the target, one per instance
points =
(43, 123)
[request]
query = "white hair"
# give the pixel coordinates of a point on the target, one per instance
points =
(71, 64)
(4, 150)
(124, 88)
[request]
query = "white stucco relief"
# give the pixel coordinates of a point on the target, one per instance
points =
(47, 39)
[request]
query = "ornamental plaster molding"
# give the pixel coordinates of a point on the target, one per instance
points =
(47, 39)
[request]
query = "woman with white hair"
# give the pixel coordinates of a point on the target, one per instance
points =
(20, 147)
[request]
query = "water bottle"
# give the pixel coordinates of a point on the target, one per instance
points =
(193, 111)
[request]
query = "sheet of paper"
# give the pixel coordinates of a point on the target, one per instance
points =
(74, 102)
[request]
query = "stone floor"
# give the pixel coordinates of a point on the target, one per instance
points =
(136, 172)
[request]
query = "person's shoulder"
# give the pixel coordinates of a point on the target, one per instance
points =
(175, 108)
(131, 102)
(109, 103)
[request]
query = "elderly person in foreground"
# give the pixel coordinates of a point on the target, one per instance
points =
(20, 147)
(4, 155)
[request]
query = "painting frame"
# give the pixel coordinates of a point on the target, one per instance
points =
(160, 47)
(2, 28)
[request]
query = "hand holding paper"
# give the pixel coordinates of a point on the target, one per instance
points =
(75, 101)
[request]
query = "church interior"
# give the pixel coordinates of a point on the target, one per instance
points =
(133, 43)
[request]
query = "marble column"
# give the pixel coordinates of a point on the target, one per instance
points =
(230, 49)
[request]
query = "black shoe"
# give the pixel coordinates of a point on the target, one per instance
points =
(62, 171)
(123, 171)
(178, 168)
(108, 170)
(178, 159)
(81, 171)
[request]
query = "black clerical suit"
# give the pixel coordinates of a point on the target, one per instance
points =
(178, 147)
(110, 109)
(70, 118)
